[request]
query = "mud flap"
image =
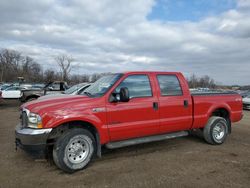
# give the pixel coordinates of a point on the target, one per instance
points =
(98, 146)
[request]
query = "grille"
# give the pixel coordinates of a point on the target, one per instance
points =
(24, 119)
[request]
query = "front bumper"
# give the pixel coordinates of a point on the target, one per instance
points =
(33, 141)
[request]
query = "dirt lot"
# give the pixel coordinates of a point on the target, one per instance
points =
(183, 162)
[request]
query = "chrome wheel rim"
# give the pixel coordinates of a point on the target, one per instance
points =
(77, 149)
(218, 131)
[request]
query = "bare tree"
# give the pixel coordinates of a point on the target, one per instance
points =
(50, 75)
(193, 81)
(65, 63)
(10, 61)
(204, 82)
(31, 70)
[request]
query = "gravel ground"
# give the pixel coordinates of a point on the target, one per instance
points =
(181, 162)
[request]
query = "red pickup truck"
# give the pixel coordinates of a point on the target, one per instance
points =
(120, 110)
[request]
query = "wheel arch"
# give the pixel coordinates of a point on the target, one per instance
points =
(66, 126)
(223, 112)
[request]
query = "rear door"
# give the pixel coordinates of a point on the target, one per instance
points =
(175, 103)
(137, 118)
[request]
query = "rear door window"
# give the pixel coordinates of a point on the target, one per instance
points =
(169, 85)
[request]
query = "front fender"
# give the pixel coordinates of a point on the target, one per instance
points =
(98, 120)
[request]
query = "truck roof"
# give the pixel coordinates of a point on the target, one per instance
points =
(146, 72)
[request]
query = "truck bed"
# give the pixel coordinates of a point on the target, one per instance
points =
(206, 103)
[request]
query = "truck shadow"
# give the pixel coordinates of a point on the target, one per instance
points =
(147, 148)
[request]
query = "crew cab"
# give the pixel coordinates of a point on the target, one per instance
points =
(120, 110)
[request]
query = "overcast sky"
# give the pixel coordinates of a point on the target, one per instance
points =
(205, 37)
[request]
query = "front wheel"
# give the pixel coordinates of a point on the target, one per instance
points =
(74, 150)
(216, 130)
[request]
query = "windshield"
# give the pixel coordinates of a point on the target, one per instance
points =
(73, 89)
(101, 86)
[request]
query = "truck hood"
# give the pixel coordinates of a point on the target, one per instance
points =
(47, 105)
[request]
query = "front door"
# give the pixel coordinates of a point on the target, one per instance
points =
(139, 116)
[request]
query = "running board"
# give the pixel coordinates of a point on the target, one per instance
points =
(134, 141)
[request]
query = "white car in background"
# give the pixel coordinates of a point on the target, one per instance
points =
(12, 92)
(246, 102)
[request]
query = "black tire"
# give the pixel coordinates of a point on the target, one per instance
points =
(216, 130)
(82, 145)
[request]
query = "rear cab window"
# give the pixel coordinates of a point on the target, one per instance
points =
(169, 85)
(138, 86)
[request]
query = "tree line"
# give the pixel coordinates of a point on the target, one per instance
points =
(14, 65)
(201, 82)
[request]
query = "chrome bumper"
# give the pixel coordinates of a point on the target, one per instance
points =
(33, 141)
(29, 136)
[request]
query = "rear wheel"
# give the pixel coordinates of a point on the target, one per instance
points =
(74, 150)
(216, 130)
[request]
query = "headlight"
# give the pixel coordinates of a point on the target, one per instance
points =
(35, 121)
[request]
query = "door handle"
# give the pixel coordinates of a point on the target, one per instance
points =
(155, 105)
(185, 103)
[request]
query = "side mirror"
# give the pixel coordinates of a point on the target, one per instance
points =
(124, 94)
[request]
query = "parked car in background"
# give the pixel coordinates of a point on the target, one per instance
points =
(243, 93)
(25, 85)
(38, 86)
(74, 90)
(246, 102)
(12, 92)
(50, 88)
(4, 86)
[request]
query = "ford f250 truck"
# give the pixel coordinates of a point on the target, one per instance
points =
(120, 110)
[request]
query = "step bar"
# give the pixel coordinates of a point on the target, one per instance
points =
(135, 141)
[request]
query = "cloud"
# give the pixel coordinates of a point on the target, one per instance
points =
(243, 3)
(116, 36)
